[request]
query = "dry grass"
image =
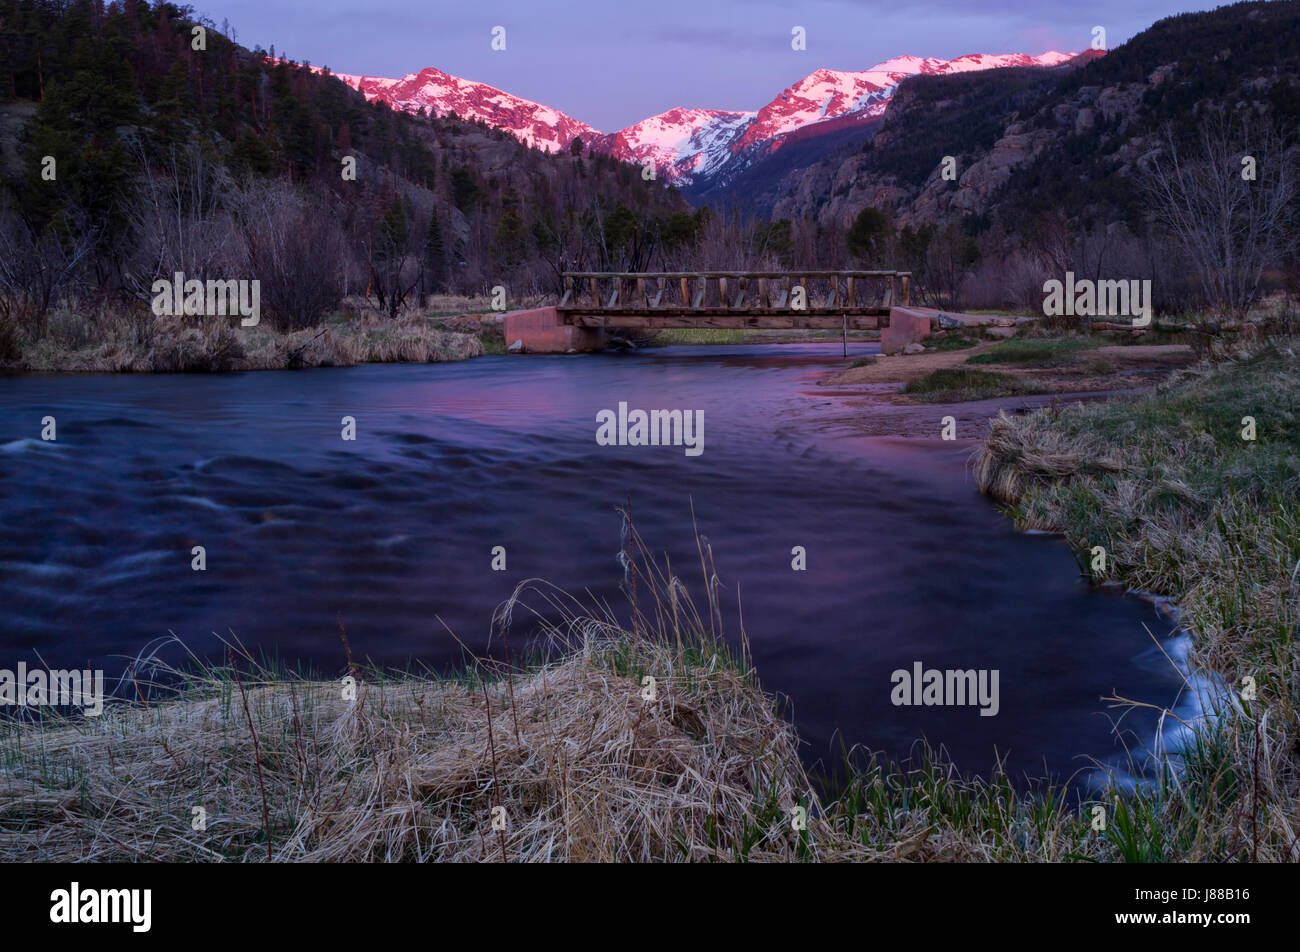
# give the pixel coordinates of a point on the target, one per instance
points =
(412, 768)
(139, 342)
(1015, 455)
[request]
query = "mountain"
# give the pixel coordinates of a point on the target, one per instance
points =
(689, 147)
(1033, 144)
(681, 144)
(833, 96)
(439, 94)
(826, 109)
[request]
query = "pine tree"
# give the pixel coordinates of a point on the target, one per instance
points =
(868, 235)
(175, 103)
(435, 254)
(510, 242)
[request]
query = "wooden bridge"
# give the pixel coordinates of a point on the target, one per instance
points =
(596, 304)
(830, 300)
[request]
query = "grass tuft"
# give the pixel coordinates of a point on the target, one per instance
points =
(1034, 352)
(957, 384)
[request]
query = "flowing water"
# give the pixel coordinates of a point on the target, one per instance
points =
(394, 531)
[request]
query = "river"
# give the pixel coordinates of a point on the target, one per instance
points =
(394, 531)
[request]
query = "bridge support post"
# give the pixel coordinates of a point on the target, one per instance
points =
(542, 331)
(906, 325)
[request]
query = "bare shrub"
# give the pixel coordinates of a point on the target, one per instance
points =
(295, 249)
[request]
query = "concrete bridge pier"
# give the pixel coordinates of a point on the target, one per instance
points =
(906, 325)
(542, 331)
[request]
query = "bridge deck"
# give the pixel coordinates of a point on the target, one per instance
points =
(769, 319)
(733, 299)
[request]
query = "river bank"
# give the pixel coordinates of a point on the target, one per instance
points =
(973, 381)
(1192, 492)
(137, 341)
(653, 742)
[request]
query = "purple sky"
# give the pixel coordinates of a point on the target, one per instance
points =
(612, 62)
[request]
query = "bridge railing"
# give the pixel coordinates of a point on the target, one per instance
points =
(685, 292)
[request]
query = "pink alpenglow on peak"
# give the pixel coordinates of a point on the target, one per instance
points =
(830, 94)
(440, 93)
(685, 145)
(680, 143)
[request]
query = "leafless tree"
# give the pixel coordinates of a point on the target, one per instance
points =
(39, 266)
(949, 260)
(396, 267)
(726, 242)
(181, 219)
(569, 246)
(296, 248)
(1227, 202)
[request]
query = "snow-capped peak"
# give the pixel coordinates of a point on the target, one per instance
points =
(835, 94)
(686, 144)
(441, 93)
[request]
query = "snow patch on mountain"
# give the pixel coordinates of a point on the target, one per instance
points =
(864, 94)
(679, 143)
